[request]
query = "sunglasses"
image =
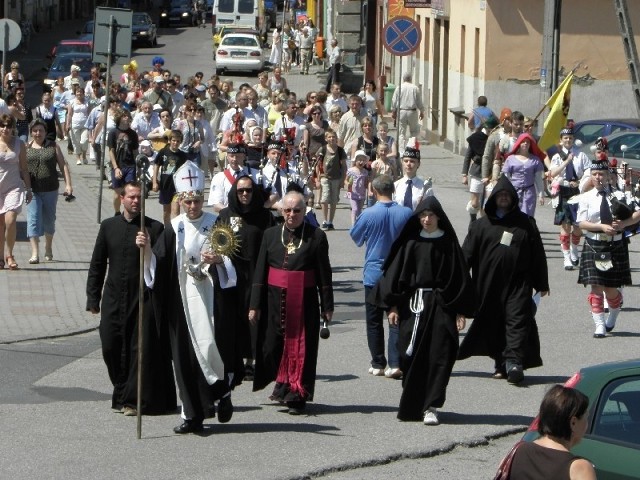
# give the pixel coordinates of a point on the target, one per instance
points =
(5, 125)
(245, 190)
(316, 113)
(294, 210)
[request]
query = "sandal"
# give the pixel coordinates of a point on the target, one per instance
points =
(48, 256)
(11, 262)
(34, 260)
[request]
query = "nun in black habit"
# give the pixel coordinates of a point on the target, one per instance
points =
(248, 218)
(426, 280)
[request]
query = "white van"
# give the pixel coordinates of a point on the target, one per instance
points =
(249, 13)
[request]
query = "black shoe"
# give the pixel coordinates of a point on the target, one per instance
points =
(249, 373)
(296, 407)
(609, 329)
(225, 409)
(330, 226)
(189, 426)
(515, 374)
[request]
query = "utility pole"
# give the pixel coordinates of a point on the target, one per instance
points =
(550, 48)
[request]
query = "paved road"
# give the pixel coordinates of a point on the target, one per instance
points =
(56, 420)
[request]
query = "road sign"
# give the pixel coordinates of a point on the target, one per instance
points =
(10, 34)
(402, 36)
(120, 34)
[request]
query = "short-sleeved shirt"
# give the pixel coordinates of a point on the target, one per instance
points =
(125, 143)
(169, 161)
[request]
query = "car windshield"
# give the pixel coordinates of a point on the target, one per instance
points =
(140, 20)
(231, 41)
(73, 48)
(64, 64)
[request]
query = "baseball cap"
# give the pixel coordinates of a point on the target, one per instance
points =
(158, 79)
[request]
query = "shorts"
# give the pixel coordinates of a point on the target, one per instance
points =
(128, 175)
(330, 190)
(165, 197)
(476, 185)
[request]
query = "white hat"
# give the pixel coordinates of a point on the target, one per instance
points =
(157, 107)
(75, 68)
(359, 153)
(74, 81)
(189, 181)
(145, 143)
(201, 88)
(158, 79)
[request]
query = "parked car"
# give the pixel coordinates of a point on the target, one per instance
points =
(143, 30)
(588, 131)
(71, 46)
(239, 51)
(61, 67)
(612, 440)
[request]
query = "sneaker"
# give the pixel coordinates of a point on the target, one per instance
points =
(79, 162)
(330, 226)
(376, 372)
(431, 417)
(515, 374)
(130, 412)
(394, 373)
(325, 226)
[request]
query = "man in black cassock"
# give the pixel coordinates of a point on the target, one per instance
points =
(116, 255)
(292, 285)
(248, 218)
(427, 292)
(202, 341)
(508, 263)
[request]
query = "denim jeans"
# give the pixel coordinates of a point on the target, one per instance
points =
(375, 320)
(41, 214)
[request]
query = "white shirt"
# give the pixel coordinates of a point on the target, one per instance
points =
(580, 163)
(297, 122)
(418, 192)
(341, 102)
(220, 185)
(143, 125)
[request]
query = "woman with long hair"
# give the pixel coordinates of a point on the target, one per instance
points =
(15, 188)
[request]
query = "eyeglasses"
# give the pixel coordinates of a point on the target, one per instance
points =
(290, 210)
(245, 190)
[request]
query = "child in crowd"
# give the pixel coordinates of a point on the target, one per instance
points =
(357, 184)
(392, 153)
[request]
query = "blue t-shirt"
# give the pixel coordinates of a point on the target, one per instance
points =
(378, 226)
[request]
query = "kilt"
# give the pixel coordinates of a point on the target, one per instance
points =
(566, 212)
(618, 276)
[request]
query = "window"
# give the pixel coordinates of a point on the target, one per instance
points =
(226, 6)
(246, 6)
(618, 414)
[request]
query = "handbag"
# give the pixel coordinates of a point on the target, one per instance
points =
(291, 44)
(504, 470)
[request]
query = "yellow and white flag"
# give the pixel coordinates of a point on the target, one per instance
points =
(559, 104)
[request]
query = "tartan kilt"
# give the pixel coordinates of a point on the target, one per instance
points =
(566, 212)
(617, 276)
